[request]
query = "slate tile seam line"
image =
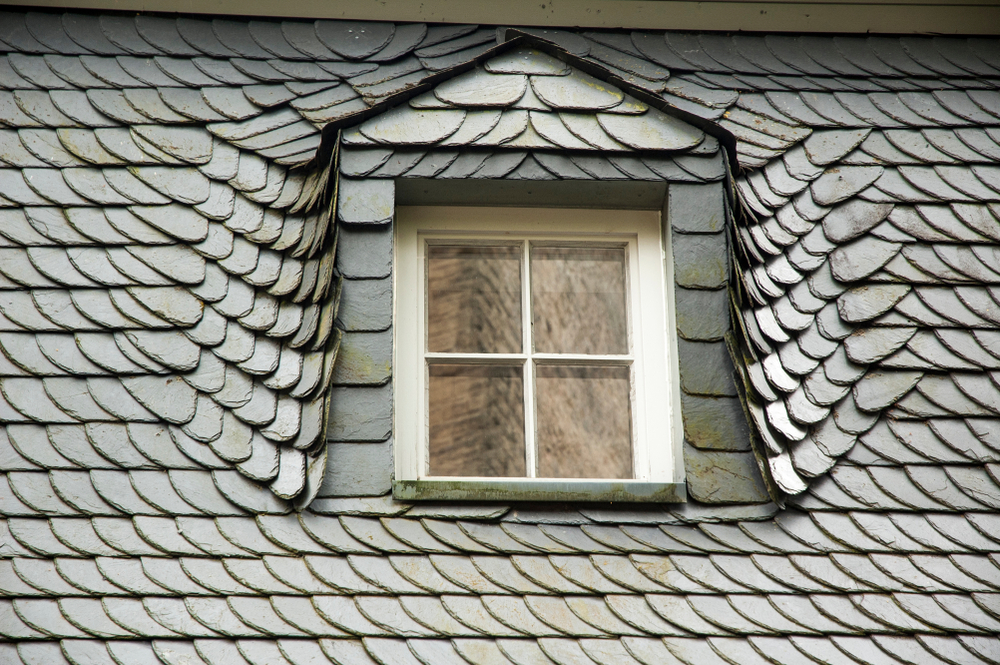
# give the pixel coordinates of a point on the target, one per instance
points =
(763, 209)
(251, 47)
(147, 36)
(460, 650)
(283, 538)
(691, 615)
(893, 610)
(702, 579)
(515, 39)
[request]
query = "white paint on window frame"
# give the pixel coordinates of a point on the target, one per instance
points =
(657, 427)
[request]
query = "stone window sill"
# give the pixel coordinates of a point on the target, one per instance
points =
(598, 491)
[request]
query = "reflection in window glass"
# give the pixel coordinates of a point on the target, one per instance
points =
(577, 303)
(474, 299)
(476, 415)
(578, 300)
(583, 422)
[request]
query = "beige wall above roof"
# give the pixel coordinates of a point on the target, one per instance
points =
(857, 16)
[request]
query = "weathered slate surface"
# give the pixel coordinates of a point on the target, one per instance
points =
(168, 328)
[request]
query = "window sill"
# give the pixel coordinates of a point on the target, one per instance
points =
(597, 491)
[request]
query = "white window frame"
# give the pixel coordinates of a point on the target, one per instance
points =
(657, 428)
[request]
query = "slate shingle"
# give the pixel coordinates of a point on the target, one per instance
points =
(920, 489)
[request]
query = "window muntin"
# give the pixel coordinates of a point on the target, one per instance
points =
(574, 358)
(492, 394)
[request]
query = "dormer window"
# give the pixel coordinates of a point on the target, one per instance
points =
(531, 354)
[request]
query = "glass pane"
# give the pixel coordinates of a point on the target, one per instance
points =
(476, 420)
(584, 427)
(474, 299)
(578, 299)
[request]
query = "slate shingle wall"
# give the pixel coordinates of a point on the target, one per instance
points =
(863, 278)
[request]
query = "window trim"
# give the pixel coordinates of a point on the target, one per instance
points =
(658, 438)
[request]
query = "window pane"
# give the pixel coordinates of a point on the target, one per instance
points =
(474, 299)
(584, 422)
(476, 420)
(578, 299)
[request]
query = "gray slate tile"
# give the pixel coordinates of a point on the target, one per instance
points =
(971, 225)
(696, 208)
(700, 260)
(354, 40)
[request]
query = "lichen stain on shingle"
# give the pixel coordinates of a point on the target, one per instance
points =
(715, 477)
(714, 423)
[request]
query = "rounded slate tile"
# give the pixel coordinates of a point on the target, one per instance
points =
(653, 130)
(409, 126)
(586, 127)
(527, 61)
(482, 88)
(511, 124)
(89, 615)
(355, 40)
(44, 615)
(577, 91)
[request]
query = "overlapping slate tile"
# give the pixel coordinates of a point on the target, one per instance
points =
(766, 330)
(101, 278)
(161, 266)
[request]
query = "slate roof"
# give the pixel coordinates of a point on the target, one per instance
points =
(169, 298)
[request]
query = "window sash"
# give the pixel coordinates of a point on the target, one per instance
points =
(657, 432)
(529, 359)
